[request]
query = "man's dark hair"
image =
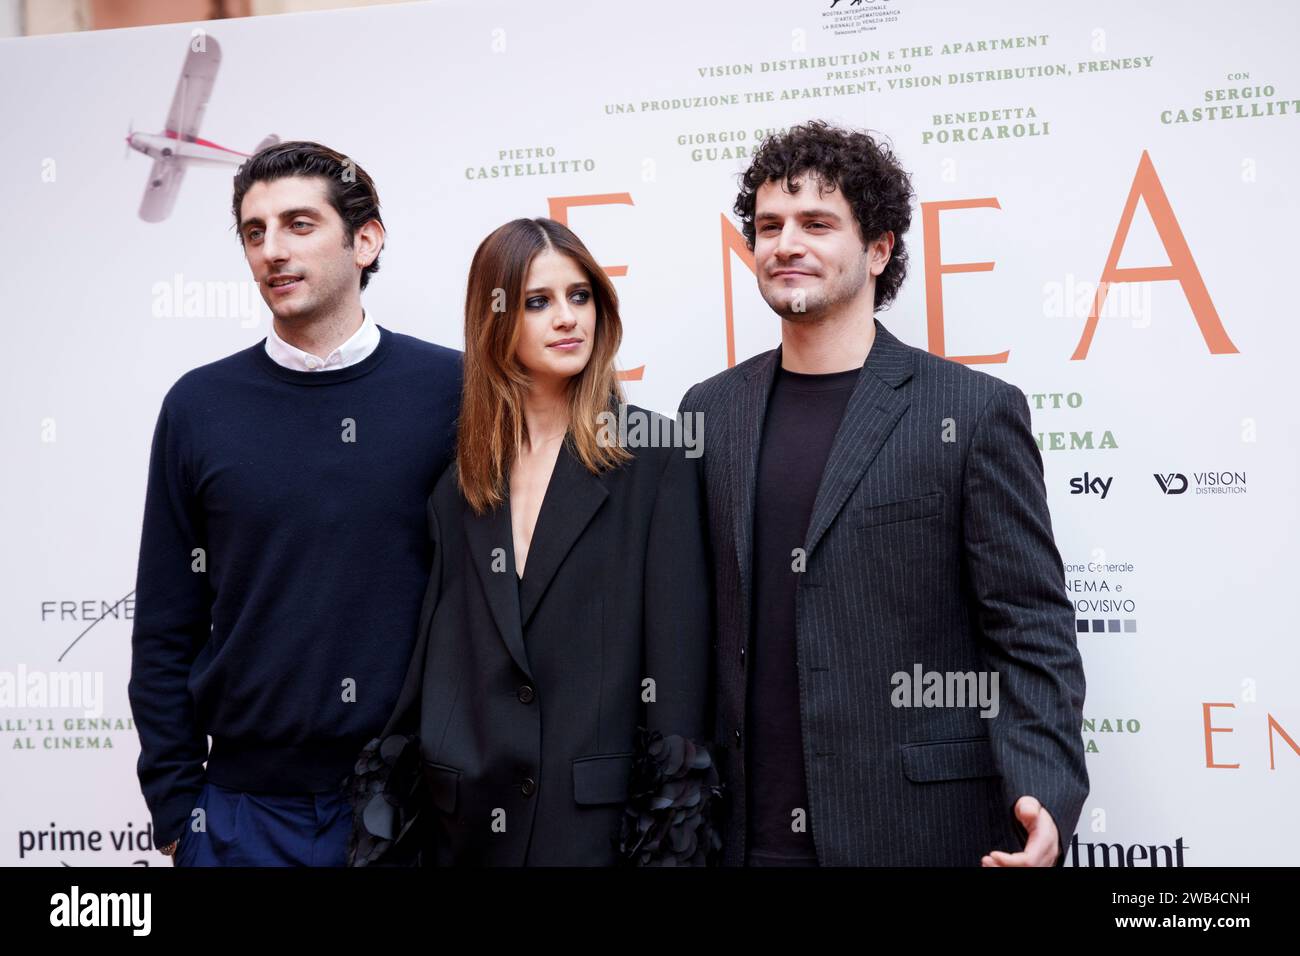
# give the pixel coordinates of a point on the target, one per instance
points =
(351, 191)
(875, 185)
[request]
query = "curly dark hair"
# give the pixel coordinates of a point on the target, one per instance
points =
(875, 186)
(351, 191)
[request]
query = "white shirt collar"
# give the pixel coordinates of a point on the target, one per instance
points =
(361, 343)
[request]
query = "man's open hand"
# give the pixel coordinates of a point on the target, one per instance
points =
(1041, 849)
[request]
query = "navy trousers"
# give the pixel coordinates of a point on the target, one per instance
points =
(265, 829)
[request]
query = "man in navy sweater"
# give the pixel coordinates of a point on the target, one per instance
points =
(284, 554)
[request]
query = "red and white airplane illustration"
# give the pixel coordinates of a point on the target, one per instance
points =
(179, 146)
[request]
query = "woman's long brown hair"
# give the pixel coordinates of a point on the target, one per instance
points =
(492, 429)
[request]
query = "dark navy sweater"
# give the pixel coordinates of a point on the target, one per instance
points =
(283, 562)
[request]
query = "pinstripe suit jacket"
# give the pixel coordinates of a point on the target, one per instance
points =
(930, 543)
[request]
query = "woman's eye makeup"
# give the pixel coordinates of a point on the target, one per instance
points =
(540, 301)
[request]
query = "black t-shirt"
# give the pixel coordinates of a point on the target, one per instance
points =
(803, 415)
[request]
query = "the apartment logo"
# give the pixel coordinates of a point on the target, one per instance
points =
(1129, 855)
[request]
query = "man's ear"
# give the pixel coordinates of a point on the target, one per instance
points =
(368, 241)
(880, 251)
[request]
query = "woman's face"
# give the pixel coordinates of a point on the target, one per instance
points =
(558, 329)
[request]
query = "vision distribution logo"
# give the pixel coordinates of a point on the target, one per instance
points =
(1202, 483)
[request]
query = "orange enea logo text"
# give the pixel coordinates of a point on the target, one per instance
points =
(1146, 186)
(1181, 269)
(1272, 726)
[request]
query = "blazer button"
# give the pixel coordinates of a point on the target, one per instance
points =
(526, 694)
(737, 735)
(528, 787)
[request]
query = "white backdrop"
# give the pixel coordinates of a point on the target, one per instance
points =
(437, 101)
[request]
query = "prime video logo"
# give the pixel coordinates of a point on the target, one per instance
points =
(103, 909)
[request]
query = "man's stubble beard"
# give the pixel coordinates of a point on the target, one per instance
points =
(316, 304)
(819, 305)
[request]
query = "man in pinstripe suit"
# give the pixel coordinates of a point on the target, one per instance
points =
(877, 512)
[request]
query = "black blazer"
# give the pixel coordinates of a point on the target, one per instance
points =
(920, 550)
(527, 696)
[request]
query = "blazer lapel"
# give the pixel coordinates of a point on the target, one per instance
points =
(484, 534)
(748, 413)
(572, 498)
(874, 409)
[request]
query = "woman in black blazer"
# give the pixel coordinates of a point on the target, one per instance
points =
(553, 716)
